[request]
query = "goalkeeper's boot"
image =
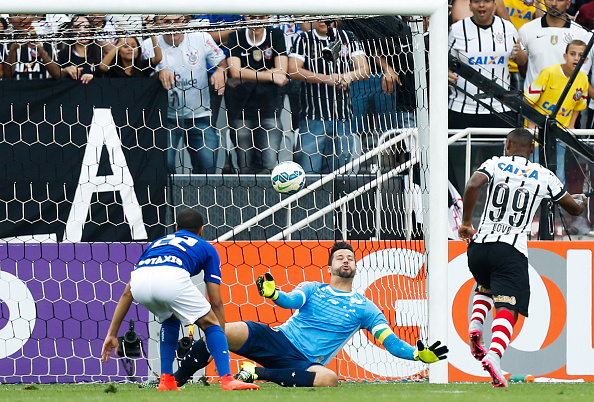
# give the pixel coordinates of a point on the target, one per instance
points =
(492, 365)
(149, 384)
(247, 372)
(167, 383)
(476, 347)
(228, 383)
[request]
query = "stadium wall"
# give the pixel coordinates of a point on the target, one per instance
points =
(57, 300)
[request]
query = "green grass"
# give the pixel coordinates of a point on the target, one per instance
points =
(345, 392)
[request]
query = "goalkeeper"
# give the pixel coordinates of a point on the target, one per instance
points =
(295, 353)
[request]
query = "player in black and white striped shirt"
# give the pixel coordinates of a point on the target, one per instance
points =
(498, 251)
(485, 42)
(326, 106)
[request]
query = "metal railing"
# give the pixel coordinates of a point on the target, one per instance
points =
(386, 140)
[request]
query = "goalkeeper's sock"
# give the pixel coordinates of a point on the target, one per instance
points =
(219, 348)
(503, 328)
(193, 361)
(168, 344)
(481, 305)
(287, 377)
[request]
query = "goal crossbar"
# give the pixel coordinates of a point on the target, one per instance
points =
(402, 7)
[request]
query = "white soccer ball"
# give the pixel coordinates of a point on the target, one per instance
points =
(288, 177)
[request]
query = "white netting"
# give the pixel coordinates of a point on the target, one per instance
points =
(136, 127)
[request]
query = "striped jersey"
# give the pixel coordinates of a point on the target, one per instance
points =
(516, 187)
(546, 90)
(185, 250)
(487, 50)
(320, 101)
(189, 98)
(327, 319)
(546, 46)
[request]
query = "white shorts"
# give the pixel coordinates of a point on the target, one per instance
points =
(166, 291)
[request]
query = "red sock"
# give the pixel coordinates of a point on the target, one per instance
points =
(503, 328)
(481, 305)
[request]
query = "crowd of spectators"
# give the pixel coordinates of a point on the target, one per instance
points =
(520, 44)
(252, 67)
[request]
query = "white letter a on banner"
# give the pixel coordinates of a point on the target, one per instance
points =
(103, 132)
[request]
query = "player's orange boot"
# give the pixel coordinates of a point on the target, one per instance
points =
(228, 383)
(167, 383)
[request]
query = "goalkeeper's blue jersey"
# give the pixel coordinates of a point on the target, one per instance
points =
(326, 319)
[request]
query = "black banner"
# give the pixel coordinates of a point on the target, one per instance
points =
(63, 176)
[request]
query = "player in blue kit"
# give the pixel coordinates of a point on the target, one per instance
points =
(161, 282)
(296, 352)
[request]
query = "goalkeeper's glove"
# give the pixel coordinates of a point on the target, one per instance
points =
(432, 354)
(266, 286)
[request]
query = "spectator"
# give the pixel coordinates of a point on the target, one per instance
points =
(485, 42)
(220, 36)
(325, 141)
(80, 58)
(585, 16)
(546, 90)
(4, 28)
(125, 59)
(30, 59)
(459, 9)
(126, 22)
(258, 63)
(390, 89)
(521, 12)
(543, 40)
(292, 90)
(104, 31)
(182, 72)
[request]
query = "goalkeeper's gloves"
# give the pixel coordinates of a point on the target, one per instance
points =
(432, 354)
(267, 287)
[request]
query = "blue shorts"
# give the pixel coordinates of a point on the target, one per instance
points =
(270, 348)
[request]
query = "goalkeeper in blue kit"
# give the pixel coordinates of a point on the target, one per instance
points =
(296, 352)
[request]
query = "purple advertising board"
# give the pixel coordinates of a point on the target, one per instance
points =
(56, 303)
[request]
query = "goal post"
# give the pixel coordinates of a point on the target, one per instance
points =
(431, 115)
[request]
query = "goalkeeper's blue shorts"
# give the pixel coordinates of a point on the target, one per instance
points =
(270, 348)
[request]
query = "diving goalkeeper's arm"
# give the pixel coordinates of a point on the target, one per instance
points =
(267, 288)
(404, 350)
(383, 333)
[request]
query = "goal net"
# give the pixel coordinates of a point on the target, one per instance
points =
(110, 124)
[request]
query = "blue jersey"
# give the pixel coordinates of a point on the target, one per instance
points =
(326, 318)
(184, 250)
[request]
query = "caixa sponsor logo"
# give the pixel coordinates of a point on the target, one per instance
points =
(486, 60)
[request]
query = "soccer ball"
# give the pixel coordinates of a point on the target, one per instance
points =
(288, 177)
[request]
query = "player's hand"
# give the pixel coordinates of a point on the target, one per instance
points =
(266, 286)
(111, 343)
(466, 233)
(432, 354)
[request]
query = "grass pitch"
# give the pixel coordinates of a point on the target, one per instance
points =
(345, 392)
